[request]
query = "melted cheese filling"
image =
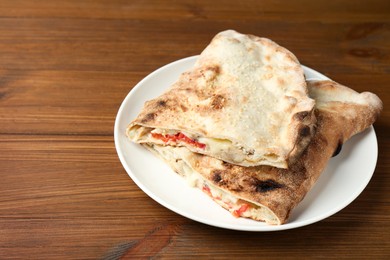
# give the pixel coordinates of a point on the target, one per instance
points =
(223, 149)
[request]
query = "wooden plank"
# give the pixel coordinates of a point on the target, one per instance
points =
(65, 68)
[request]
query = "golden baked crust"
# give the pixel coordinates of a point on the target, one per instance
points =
(341, 112)
(246, 93)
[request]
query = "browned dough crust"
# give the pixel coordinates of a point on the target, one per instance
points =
(341, 112)
(244, 89)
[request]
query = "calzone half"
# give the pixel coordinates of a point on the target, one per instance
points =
(245, 101)
(268, 193)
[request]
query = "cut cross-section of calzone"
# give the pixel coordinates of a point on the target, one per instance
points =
(245, 101)
(267, 193)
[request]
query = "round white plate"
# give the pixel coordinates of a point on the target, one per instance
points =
(343, 180)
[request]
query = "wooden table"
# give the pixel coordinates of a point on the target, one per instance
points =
(65, 68)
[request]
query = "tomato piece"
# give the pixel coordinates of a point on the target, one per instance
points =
(238, 212)
(207, 190)
(164, 138)
(176, 137)
(188, 140)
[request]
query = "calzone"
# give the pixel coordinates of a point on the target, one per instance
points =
(245, 102)
(268, 193)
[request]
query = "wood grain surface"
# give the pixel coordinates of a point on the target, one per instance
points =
(65, 68)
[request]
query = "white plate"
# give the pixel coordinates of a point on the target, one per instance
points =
(343, 180)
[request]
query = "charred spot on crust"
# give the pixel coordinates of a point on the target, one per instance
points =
(148, 117)
(215, 68)
(217, 101)
(210, 72)
(304, 131)
(267, 185)
(183, 108)
(161, 103)
(216, 176)
(338, 149)
(301, 115)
